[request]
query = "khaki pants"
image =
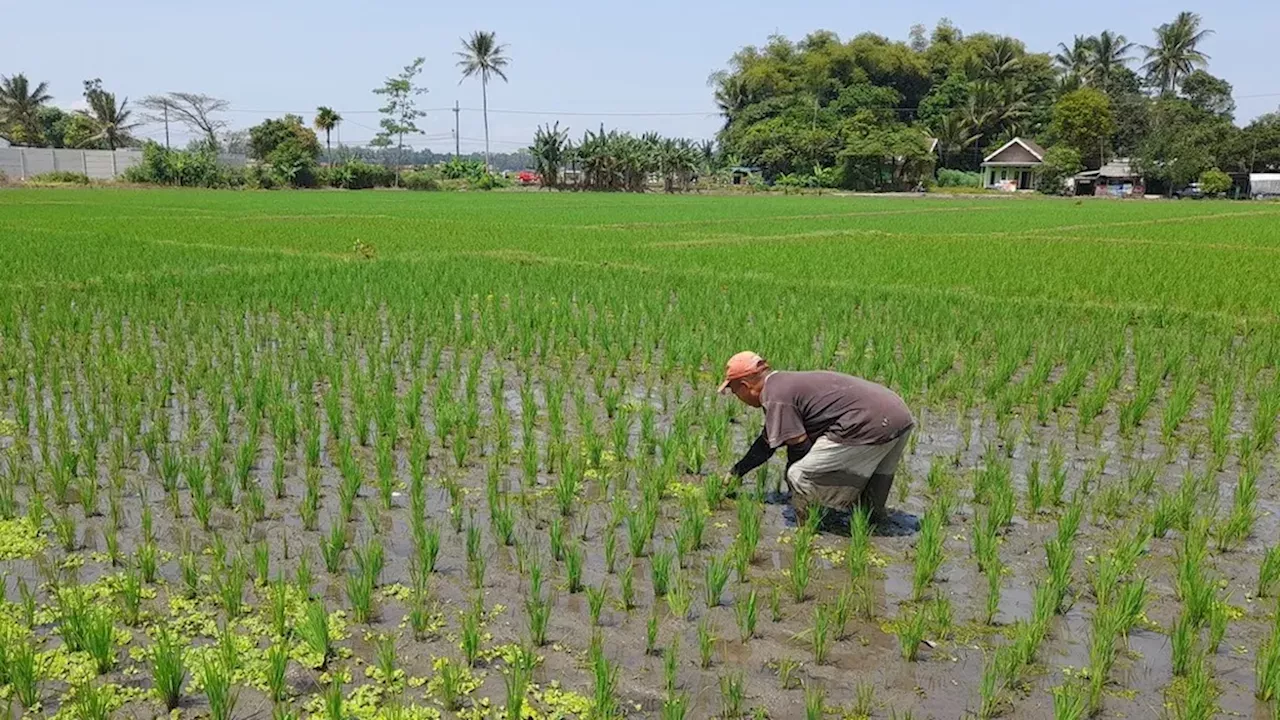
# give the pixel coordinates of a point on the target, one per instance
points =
(835, 475)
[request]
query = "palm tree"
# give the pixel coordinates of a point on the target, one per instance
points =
(482, 55)
(20, 108)
(1107, 52)
(954, 134)
(110, 122)
(327, 119)
(1074, 61)
(1176, 52)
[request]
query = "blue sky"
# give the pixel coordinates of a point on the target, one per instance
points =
(586, 58)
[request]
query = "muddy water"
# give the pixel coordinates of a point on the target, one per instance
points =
(943, 683)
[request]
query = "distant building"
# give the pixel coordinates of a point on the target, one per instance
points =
(742, 175)
(1014, 166)
(1117, 178)
(1264, 185)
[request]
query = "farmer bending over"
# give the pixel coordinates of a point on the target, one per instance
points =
(844, 436)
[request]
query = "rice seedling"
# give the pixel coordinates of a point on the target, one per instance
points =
(716, 573)
(596, 595)
(538, 611)
(452, 677)
(787, 669)
(516, 680)
(801, 563)
(1266, 670)
(1200, 700)
(929, 554)
(680, 597)
(1239, 523)
(732, 696)
(706, 642)
(313, 630)
(218, 690)
(26, 672)
(1182, 640)
(993, 592)
(573, 559)
(910, 630)
(604, 688)
(820, 634)
(1269, 572)
(277, 666)
(471, 629)
(991, 689)
(1069, 701)
(359, 587)
(660, 572)
(651, 632)
(1219, 616)
(745, 611)
(555, 535)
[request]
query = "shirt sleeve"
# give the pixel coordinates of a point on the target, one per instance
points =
(781, 423)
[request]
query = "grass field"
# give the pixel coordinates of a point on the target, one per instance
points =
(406, 456)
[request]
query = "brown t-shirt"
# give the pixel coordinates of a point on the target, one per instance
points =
(846, 409)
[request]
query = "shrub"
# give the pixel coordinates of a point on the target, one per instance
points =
(958, 178)
(419, 180)
(62, 176)
(356, 175)
(1214, 182)
(488, 181)
(292, 164)
(458, 169)
(188, 168)
(1060, 163)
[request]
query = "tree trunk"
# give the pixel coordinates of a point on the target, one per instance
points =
(484, 99)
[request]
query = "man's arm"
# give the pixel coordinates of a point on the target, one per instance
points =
(757, 455)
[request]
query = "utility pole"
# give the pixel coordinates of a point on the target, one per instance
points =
(457, 138)
(166, 126)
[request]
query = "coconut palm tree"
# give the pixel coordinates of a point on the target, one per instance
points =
(20, 108)
(1176, 52)
(1107, 52)
(1074, 61)
(110, 122)
(482, 55)
(327, 119)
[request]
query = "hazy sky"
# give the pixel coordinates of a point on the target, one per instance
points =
(574, 61)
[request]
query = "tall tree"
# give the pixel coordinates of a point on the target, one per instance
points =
(327, 119)
(110, 122)
(1082, 120)
(1074, 61)
(194, 110)
(1176, 52)
(20, 106)
(481, 55)
(1106, 52)
(401, 111)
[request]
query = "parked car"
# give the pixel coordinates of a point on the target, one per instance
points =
(527, 177)
(1191, 191)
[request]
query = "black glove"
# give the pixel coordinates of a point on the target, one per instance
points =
(796, 452)
(757, 455)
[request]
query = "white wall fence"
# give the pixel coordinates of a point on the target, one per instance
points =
(21, 163)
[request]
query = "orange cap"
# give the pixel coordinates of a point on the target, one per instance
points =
(741, 365)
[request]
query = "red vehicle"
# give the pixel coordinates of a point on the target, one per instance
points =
(528, 177)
